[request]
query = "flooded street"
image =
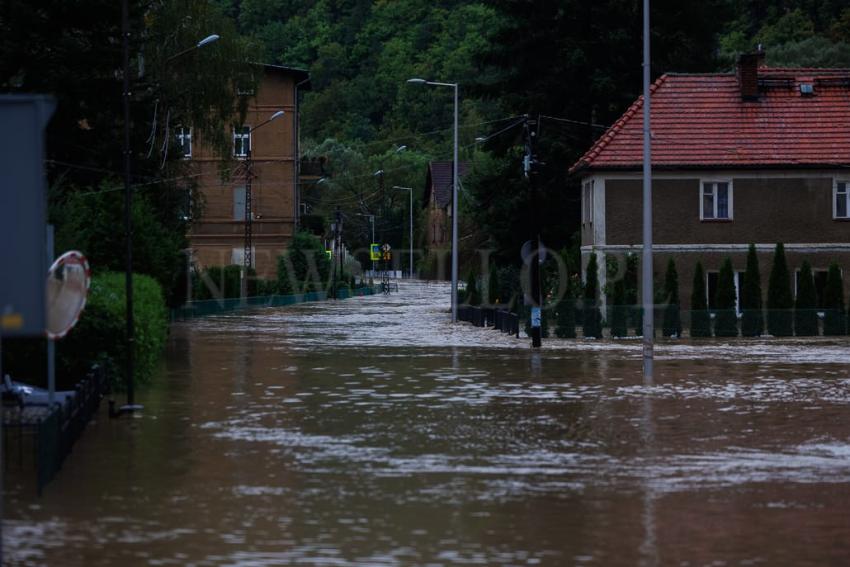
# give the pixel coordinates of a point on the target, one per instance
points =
(372, 432)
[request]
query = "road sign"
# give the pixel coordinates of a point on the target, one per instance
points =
(374, 251)
(23, 214)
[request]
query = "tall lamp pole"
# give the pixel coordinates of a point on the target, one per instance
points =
(648, 314)
(128, 200)
(247, 254)
(410, 225)
(372, 220)
(454, 189)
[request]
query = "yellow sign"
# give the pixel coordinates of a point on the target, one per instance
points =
(11, 321)
(330, 253)
(374, 251)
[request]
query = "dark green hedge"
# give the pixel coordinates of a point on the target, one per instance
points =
(99, 335)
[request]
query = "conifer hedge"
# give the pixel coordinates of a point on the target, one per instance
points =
(752, 320)
(592, 318)
(805, 306)
(779, 302)
(672, 325)
(619, 311)
(726, 323)
(835, 322)
(700, 320)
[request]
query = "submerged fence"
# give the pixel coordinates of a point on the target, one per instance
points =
(500, 319)
(193, 309)
(38, 436)
(626, 321)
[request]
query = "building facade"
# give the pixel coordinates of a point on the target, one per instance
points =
(758, 156)
(267, 152)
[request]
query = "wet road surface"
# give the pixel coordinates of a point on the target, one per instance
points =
(372, 432)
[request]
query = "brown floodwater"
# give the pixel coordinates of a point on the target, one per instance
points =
(372, 432)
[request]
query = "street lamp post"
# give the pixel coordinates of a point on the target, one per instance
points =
(410, 225)
(454, 189)
(128, 199)
(646, 272)
(247, 254)
(372, 220)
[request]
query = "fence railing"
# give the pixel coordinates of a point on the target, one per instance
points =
(500, 319)
(42, 436)
(203, 308)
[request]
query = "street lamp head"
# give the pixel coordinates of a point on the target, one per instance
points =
(379, 172)
(417, 81)
(401, 148)
(277, 114)
(209, 39)
(480, 139)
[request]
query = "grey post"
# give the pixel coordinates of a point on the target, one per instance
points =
(410, 227)
(454, 190)
(51, 343)
(646, 272)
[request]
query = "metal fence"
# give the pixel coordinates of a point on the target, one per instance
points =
(40, 437)
(193, 309)
(500, 319)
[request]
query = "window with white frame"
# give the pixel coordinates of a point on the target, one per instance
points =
(184, 140)
(716, 202)
(587, 203)
(841, 202)
(241, 141)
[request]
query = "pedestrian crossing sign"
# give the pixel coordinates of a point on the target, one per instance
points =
(374, 251)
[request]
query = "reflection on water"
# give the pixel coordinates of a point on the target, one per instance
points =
(371, 432)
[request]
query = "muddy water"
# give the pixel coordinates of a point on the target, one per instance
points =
(370, 432)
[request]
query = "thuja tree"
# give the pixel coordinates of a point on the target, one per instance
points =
(619, 311)
(779, 302)
(592, 318)
(472, 296)
(565, 310)
(672, 326)
(726, 324)
(630, 279)
(700, 320)
(493, 287)
(805, 306)
(752, 321)
(834, 322)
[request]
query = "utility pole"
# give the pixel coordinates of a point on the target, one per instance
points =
(339, 244)
(247, 259)
(128, 213)
(336, 249)
(528, 161)
(646, 260)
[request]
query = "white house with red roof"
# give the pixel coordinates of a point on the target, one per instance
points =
(758, 156)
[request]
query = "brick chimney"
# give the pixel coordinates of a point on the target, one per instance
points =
(748, 74)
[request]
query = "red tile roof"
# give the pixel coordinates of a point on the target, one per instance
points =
(701, 121)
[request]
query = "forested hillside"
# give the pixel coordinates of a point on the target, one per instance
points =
(576, 62)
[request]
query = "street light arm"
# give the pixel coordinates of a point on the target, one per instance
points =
(206, 41)
(274, 116)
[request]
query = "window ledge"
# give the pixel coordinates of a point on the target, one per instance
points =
(841, 219)
(716, 220)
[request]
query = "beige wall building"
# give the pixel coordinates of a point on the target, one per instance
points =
(217, 238)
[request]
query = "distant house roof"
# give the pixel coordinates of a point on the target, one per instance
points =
(703, 121)
(439, 180)
(301, 75)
